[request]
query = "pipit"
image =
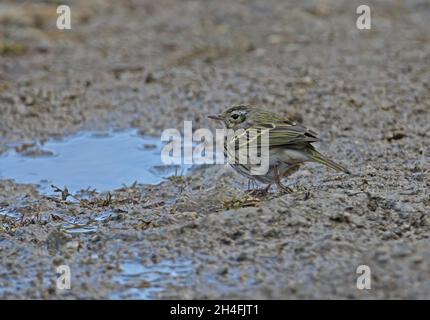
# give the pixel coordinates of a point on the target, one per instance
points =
(289, 144)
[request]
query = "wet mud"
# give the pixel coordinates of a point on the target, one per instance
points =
(147, 66)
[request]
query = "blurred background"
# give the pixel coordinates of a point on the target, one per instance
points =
(149, 65)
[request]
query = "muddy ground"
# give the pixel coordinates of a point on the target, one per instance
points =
(151, 65)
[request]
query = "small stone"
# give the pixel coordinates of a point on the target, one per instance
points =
(404, 209)
(95, 238)
(150, 78)
(223, 270)
(306, 80)
(186, 215)
(401, 251)
(275, 39)
(387, 105)
(418, 259)
(342, 217)
(20, 109)
(242, 257)
(372, 205)
(260, 52)
(73, 245)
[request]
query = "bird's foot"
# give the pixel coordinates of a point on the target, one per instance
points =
(279, 185)
(284, 189)
(259, 192)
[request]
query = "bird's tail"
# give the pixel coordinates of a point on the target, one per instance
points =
(318, 157)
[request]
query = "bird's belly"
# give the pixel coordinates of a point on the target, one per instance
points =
(278, 156)
(283, 169)
(287, 161)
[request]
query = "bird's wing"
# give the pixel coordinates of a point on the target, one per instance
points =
(280, 133)
(287, 133)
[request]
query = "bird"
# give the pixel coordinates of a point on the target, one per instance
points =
(289, 144)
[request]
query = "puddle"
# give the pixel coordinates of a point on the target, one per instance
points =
(8, 219)
(77, 225)
(147, 281)
(79, 228)
(102, 162)
(103, 216)
(10, 214)
(70, 225)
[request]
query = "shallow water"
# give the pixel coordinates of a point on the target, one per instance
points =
(78, 225)
(146, 281)
(9, 214)
(101, 162)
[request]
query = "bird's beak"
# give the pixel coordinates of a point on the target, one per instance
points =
(216, 117)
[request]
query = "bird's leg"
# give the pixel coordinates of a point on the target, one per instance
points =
(259, 192)
(278, 182)
(251, 184)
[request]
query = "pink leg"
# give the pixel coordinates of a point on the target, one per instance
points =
(278, 182)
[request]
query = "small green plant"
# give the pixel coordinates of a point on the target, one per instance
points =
(8, 47)
(237, 203)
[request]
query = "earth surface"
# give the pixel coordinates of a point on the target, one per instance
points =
(150, 65)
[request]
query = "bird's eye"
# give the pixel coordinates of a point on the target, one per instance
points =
(235, 116)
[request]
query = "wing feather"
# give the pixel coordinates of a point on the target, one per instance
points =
(287, 133)
(282, 132)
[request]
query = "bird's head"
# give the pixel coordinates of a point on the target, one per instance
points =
(235, 117)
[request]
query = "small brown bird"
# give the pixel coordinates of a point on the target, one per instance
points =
(289, 144)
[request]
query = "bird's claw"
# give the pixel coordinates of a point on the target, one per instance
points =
(284, 189)
(259, 192)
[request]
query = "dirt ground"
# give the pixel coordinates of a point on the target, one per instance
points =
(153, 64)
